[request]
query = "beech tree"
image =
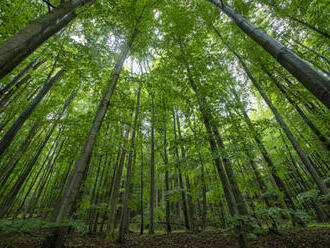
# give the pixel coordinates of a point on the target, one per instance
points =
(127, 116)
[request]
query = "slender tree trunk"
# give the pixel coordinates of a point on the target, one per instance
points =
(224, 180)
(8, 98)
(11, 133)
(68, 201)
(315, 130)
(309, 166)
(125, 213)
(36, 196)
(189, 198)
(12, 194)
(204, 202)
(314, 81)
(183, 194)
(93, 196)
(19, 76)
(10, 166)
(324, 34)
(115, 194)
(307, 48)
(152, 169)
(141, 195)
(242, 208)
(300, 152)
(167, 187)
(223, 177)
(16, 49)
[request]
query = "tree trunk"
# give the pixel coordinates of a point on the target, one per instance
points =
(315, 130)
(141, 195)
(314, 81)
(311, 169)
(242, 208)
(204, 202)
(152, 169)
(10, 166)
(12, 194)
(81, 166)
(183, 194)
(189, 198)
(69, 199)
(11, 133)
(16, 49)
(167, 187)
(115, 194)
(19, 76)
(125, 213)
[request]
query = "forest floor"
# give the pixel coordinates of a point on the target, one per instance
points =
(288, 238)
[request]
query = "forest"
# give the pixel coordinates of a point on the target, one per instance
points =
(165, 123)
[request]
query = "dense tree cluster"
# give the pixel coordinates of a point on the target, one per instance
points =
(164, 115)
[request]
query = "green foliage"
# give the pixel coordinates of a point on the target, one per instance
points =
(175, 44)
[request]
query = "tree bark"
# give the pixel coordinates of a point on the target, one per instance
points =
(315, 130)
(183, 194)
(125, 213)
(141, 195)
(311, 169)
(204, 202)
(314, 81)
(16, 49)
(152, 169)
(19, 76)
(11, 133)
(167, 187)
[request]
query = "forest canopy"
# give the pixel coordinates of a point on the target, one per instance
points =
(122, 116)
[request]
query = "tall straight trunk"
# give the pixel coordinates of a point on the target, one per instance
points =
(242, 208)
(167, 186)
(324, 34)
(311, 125)
(233, 208)
(269, 162)
(8, 98)
(207, 123)
(183, 194)
(13, 193)
(36, 196)
(11, 133)
(204, 203)
(19, 76)
(314, 81)
(116, 188)
(11, 196)
(36, 175)
(307, 48)
(111, 186)
(141, 194)
(10, 166)
(152, 169)
(309, 166)
(16, 49)
(99, 197)
(93, 196)
(125, 213)
(189, 198)
(81, 166)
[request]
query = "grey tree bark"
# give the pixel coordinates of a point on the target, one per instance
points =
(11, 133)
(314, 81)
(152, 170)
(16, 49)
